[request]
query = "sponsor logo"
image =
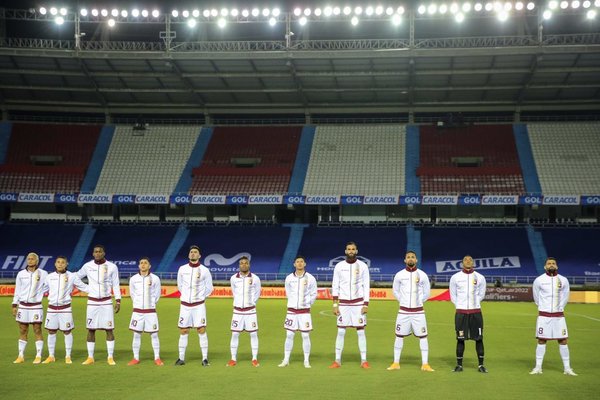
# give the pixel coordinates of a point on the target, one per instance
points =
(123, 199)
(480, 263)
(294, 199)
(124, 263)
(219, 259)
(590, 200)
(151, 199)
(181, 199)
(322, 199)
(265, 199)
(561, 200)
(469, 200)
(202, 199)
(65, 198)
(531, 200)
(36, 197)
(405, 200)
(381, 200)
(352, 199)
(500, 200)
(440, 200)
(8, 196)
(236, 200)
(16, 262)
(95, 198)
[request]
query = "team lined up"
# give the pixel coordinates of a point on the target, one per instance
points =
(350, 291)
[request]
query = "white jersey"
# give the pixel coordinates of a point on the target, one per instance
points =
(60, 287)
(551, 293)
(411, 289)
(246, 290)
(301, 291)
(194, 283)
(467, 290)
(103, 281)
(351, 282)
(30, 287)
(144, 291)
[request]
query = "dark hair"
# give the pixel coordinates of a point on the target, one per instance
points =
(145, 258)
(550, 259)
(99, 246)
(244, 258)
(63, 257)
(300, 256)
(411, 252)
(352, 244)
(192, 247)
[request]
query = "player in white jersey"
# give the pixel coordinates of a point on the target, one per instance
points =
(411, 288)
(144, 289)
(30, 286)
(59, 316)
(194, 282)
(350, 290)
(103, 283)
(467, 290)
(301, 292)
(245, 287)
(551, 295)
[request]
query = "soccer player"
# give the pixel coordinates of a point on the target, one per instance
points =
(195, 285)
(301, 292)
(467, 290)
(551, 294)
(350, 291)
(144, 289)
(411, 287)
(103, 283)
(245, 287)
(30, 286)
(59, 316)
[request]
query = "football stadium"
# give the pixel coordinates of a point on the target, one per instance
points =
(289, 199)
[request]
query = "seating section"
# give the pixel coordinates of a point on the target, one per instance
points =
(66, 149)
(491, 149)
(358, 160)
(567, 157)
(249, 160)
(147, 161)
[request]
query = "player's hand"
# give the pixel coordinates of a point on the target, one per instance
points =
(117, 307)
(364, 310)
(14, 311)
(336, 310)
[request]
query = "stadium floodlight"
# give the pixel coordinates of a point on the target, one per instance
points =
(591, 14)
(297, 12)
(276, 12)
(497, 6)
(327, 11)
(175, 13)
(272, 21)
(307, 12)
(358, 10)
(59, 20)
(454, 8)
(489, 7)
(155, 13)
(443, 9)
(379, 10)
(432, 9)
(43, 10)
(547, 14)
(302, 21)
(134, 13)
(255, 12)
(191, 23)
(396, 20)
(104, 12)
(205, 14)
(553, 5)
(145, 13)
(63, 11)
(347, 10)
(235, 12)
(369, 10)
(222, 22)
(354, 21)
(466, 7)
(460, 17)
(215, 13)
(245, 13)
(519, 6)
(422, 9)
(111, 22)
(400, 10)
(478, 7)
(83, 12)
(586, 4)
(507, 6)
(225, 12)
(564, 4)
(503, 15)
(318, 12)
(124, 13)
(597, 3)
(196, 13)
(337, 11)
(114, 12)
(530, 5)
(95, 12)
(266, 12)
(53, 11)
(575, 4)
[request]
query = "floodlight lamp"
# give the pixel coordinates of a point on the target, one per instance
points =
(124, 13)
(145, 13)
(43, 10)
(255, 12)
(564, 4)
(53, 11)
(175, 13)
(235, 12)
(519, 6)
(224, 12)
(266, 12)
(396, 20)
(553, 5)
(400, 10)
(155, 13)
(111, 22)
(59, 20)
(134, 13)
(276, 12)
(478, 7)
(63, 11)
(503, 15)
(358, 10)
(327, 11)
(354, 21)
(318, 12)
(347, 10)
(466, 7)
(379, 10)
(575, 4)
(422, 9)
(222, 22)
(307, 12)
(83, 12)
(530, 5)
(369, 10)
(507, 6)
(591, 14)
(597, 3)
(489, 7)
(497, 6)
(114, 12)
(205, 13)
(431, 9)
(272, 21)
(297, 12)
(586, 4)
(215, 13)
(337, 10)
(245, 13)
(460, 17)
(547, 14)
(104, 12)
(454, 8)
(195, 13)
(302, 21)
(191, 23)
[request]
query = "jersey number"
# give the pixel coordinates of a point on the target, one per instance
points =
(541, 331)
(288, 322)
(134, 322)
(234, 324)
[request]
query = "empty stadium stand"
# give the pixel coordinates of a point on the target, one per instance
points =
(47, 157)
(249, 160)
(147, 161)
(566, 157)
(471, 159)
(357, 159)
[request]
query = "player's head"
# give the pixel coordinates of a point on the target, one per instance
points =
(300, 263)
(351, 250)
(144, 265)
(99, 252)
(194, 254)
(551, 266)
(244, 264)
(410, 259)
(33, 259)
(468, 262)
(61, 264)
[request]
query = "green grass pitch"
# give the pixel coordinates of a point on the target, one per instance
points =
(509, 347)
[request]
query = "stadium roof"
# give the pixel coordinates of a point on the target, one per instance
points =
(427, 64)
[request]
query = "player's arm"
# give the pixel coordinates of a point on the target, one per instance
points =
(481, 287)
(132, 288)
(15, 302)
(312, 290)
(396, 287)
(209, 283)
(366, 289)
(79, 284)
(179, 279)
(116, 289)
(257, 287)
(82, 273)
(45, 284)
(536, 291)
(335, 290)
(452, 288)
(156, 289)
(565, 290)
(426, 285)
